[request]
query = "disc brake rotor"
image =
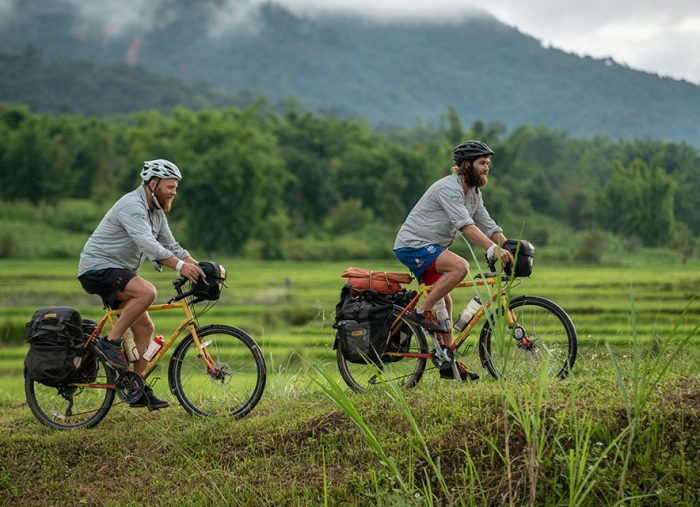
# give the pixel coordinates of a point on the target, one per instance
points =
(223, 374)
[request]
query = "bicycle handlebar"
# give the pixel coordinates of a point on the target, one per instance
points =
(178, 288)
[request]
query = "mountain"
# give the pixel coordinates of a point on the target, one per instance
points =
(91, 89)
(389, 72)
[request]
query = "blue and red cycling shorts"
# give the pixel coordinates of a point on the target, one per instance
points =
(421, 261)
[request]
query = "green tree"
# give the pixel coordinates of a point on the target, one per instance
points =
(454, 132)
(235, 185)
(638, 200)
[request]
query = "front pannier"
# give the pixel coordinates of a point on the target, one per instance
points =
(55, 337)
(363, 322)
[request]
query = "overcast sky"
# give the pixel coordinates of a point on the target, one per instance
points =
(653, 35)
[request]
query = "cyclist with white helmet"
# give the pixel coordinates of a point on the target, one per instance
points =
(451, 204)
(133, 230)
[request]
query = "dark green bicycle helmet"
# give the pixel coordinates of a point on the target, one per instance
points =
(469, 150)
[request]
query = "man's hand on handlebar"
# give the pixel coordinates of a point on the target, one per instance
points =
(506, 257)
(191, 271)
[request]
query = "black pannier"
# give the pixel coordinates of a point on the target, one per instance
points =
(363, 322)
(89, 367)
(55, 337)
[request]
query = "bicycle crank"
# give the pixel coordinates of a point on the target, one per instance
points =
(443, 357)
(129, 386)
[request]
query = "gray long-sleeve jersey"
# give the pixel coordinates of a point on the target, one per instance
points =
(441, 212)
(128, 232)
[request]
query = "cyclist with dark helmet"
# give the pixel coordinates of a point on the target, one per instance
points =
(452, 204)
(134, 229)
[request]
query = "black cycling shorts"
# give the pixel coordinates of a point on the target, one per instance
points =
(106, 283)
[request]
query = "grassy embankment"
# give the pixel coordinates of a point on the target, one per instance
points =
(621, 427)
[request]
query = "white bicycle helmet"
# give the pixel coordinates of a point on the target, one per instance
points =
(160, 168)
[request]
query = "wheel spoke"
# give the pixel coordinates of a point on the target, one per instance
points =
(406, 371)
(235, 385)
(548, 341)
(69, 407)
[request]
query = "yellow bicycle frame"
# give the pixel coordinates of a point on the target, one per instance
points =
(491, 281)
(188, 321)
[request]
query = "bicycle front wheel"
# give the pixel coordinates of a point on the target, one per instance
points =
(79, 405)
(544, 337)
(407, 371)
(231, 386)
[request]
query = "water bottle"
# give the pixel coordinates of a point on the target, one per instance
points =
(129, 345)
(469, 311)
(153, 348)
(441, 315)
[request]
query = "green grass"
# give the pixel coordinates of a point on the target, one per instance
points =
(451, 444)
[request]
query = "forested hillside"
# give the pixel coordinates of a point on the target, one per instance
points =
(299, 186)
(389, 72)
(91, 89)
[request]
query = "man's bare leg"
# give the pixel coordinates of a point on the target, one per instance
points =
(453, 268)
(446, 338)
(136, 297)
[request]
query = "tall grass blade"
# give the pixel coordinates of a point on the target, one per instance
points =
(337, 394)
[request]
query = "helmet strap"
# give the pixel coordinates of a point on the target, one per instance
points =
(153, 193)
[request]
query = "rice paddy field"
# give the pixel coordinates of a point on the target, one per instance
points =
(289, 308)
(439, 445)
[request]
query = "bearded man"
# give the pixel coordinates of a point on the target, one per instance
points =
(451, 204)
(134, 229)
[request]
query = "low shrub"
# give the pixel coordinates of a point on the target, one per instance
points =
(12, 331)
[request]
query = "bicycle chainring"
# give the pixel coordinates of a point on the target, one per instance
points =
(129, 386)
(445, 362)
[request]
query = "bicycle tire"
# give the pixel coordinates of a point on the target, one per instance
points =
(241, 365)
(548, 327)
(71, 406)
(408, 371)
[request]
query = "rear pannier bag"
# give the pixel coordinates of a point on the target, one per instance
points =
(55, 337)
(363, 322)
(89, 367)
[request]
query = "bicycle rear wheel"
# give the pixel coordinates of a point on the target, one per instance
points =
(549, 341)
(237, 382)
(74, 405)
(405, 370)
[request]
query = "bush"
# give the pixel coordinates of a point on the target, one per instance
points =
(296, 315)
(20, 239)
(590, 247)
(78, 215)
(12, 331)
(20, 210)
(348, 216)
(9, 244)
